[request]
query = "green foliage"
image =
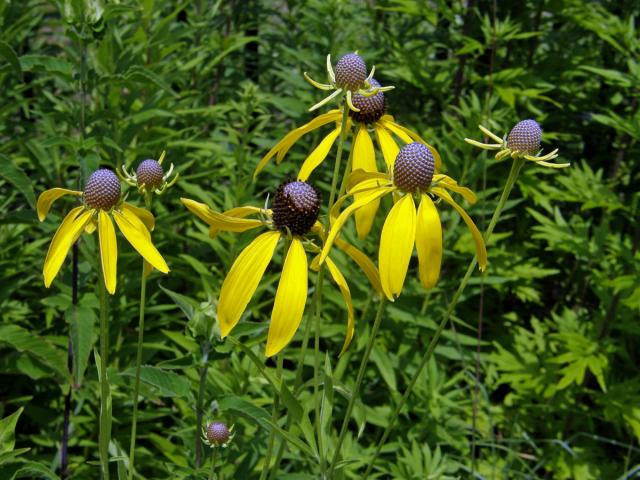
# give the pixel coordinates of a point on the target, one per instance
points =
(548, 387)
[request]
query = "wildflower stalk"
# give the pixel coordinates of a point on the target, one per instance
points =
(516, 166)
(356, 390)
(206, 347)
(212, 472)
(274, 419)
(136, 384)
(105, 394)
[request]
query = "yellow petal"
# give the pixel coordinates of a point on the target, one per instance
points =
(239, 212)
(337, 276)
(108, 250)
(243, 278)
(66, 235)
(367, 179)
(387, 144)
(451, 184)
(481, 250)
(46, 199)
(428, 242)
(218, 220)
(318, 155)
(408, 136)
(91, 226)
(139, 237)
(364, 158)
(342, 218)
(363, 261)
(283, 146)
(145, 215)
(396, 245)
(291, 297)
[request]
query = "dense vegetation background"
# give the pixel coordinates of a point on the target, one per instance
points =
(537, 376)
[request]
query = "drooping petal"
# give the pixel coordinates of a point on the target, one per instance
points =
(481, 250)
(46, 199)
(428, 242)
(139, 237)
(364, 158)
(451, 184)
(219, 220)
(68, 232)
(361, 180)
(283, 146)
(396, 245)
(387, 144)
(239, 212)
(344, 216)
(145, 215)
(337, 276)
(108, 250)
(291, 297)
(364, 262)
(242, 280)
(318, 155)
(408, 136)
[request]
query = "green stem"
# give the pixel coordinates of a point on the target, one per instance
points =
(136, 385)
(212, 472)
(316, 370)
(274, 419)
(356, 390)
(105, 401)
(338, 164)
(511, 180)
(206, 347)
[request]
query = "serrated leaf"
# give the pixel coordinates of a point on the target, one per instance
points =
(7, 431)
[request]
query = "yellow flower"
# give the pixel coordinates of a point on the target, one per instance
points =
(371, 116)
(523, 141)
(413, 174)
(101, 202)
(293, 216)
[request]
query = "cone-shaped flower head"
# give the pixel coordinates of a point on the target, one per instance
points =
(150, 173)
(150, 177)
(102, 190)
(371, 108)
(523, 142)
(351, 72)
(218, 433)
(525, 137)
(295, 207)
(414, 168)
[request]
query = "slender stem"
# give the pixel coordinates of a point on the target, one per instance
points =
(316, 371)
(212, 472)
(337, 165)
(201, 390)
(105, 401)
(511, 180)
(274, 419)
(136, 385)
(356, 390)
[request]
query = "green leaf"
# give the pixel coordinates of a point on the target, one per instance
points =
(7, 431)
(168, 384)
(81, 322)
(140, 74)
(10, 56)
(17, 178)
(187, 305)
(23, 341)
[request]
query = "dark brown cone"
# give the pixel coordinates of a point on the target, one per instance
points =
(149, 173)
(296, 207)
(371, 108)
(351, 72)
(525, 137)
